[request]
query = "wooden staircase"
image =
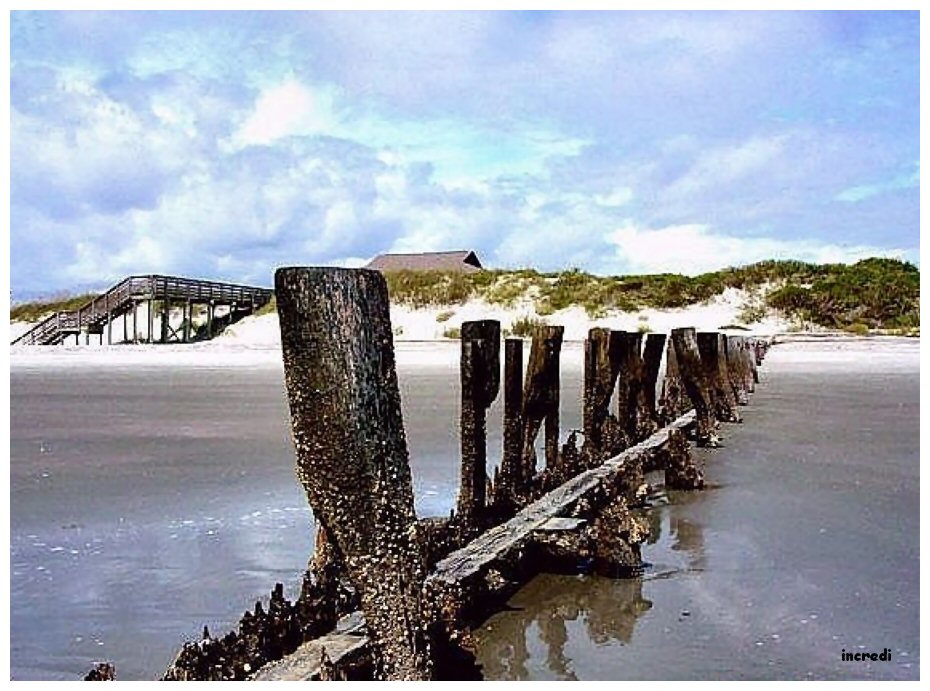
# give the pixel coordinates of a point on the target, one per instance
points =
(98, 314)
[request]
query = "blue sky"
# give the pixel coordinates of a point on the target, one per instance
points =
(225, 144)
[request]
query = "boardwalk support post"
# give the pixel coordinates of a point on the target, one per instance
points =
(351, 448)
(480, 378)
(165, 318)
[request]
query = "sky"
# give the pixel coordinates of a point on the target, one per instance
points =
(225, 144)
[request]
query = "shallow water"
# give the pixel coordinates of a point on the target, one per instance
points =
(805, 545)
(148, 501)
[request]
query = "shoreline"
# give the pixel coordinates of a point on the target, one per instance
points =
(230, 352)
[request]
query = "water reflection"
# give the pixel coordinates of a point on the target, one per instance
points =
(556, 609)
(554, 615)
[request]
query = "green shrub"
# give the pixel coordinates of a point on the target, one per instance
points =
(452, 332)
(859, 329)
(525, 327)
(444, 316)
(268, 307)
(31, 311)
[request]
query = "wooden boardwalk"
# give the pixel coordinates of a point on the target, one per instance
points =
(158, 293)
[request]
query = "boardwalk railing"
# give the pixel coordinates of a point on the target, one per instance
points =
(125, 297)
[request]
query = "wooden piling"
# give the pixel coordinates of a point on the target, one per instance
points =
(106, 302)
(688, 358)
(480, 378)
(673, 401)
(188, 317)
(601, 367)
(749, 357)
(541, 397)
(351, 448)
(681, 469)
(510, 478)
(736, 365)
(713, 360)
(652, 360)
(151, 320)
(165, 317)
(632, 407)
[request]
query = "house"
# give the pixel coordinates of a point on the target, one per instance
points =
(460, 260)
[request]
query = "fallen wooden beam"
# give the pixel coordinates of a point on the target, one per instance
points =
(475, 559)
(348, 641)
(497, 542)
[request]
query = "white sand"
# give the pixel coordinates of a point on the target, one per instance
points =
(418, 335)
(424, 324)
(846, 352)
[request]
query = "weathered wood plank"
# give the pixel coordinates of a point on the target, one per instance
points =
(559, 523)
(490, 546)
(303, 664)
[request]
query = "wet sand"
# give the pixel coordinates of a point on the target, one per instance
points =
(806, 544)
(147, 501)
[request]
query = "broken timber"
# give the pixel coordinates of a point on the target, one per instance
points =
(421, 585)
(466, 582)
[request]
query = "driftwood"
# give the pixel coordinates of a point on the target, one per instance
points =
(480, 377)
(351, 449)
(695, 384)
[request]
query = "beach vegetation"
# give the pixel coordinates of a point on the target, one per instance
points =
(268, 307)
(880, 293)
(525, 327)
(37, 309)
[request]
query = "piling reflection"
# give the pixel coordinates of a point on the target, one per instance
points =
(548, 612)
(555, 614)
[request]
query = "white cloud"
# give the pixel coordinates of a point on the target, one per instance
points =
(694, 249)
(287, 109)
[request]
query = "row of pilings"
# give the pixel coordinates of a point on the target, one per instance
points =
(709, 372)
(422, 584)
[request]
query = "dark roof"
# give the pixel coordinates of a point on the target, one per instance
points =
(460, 260)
